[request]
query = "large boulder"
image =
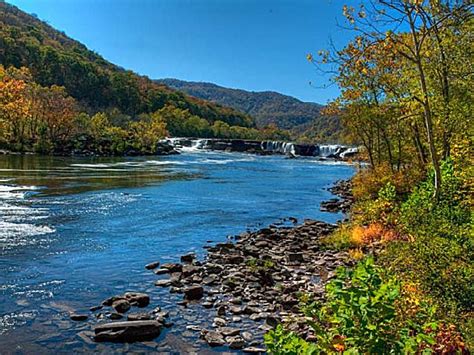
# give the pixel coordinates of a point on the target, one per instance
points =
(121, 332)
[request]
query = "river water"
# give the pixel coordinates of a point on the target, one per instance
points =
(74, 231)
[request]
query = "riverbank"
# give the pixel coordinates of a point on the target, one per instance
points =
(237, 292)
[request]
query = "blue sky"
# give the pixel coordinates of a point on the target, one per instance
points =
(249, 44)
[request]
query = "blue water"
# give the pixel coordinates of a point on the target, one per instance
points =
(74, 231)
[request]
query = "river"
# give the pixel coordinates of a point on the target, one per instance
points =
(74, 231)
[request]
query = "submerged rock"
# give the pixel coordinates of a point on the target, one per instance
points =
(78, 317)
(127, 331)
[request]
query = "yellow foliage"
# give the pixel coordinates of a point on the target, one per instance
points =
(357, 236)
(408, 305)
(356, 254)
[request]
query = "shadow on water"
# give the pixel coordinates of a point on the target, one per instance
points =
(71, 175)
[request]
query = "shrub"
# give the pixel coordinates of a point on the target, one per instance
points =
(360, 314)
(281, 341)
(368, 182)
(369, 312)
(447, 217)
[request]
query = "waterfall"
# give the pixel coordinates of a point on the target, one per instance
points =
(349, 152)
(287, 148)
(330, 150)
(187, 144)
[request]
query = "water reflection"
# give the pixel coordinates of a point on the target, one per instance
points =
(66, 175)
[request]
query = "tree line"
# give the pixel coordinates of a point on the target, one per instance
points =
(48, 120)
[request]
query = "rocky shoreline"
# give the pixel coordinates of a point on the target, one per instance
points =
(342, 189)
(240, 290)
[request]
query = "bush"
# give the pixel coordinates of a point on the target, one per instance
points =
(447, 217)
(361, 315)
(281, 341)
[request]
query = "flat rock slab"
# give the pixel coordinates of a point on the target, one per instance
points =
(121, 332)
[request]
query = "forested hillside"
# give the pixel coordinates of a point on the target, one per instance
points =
(53, 87)
(55, 59)
(267, 107)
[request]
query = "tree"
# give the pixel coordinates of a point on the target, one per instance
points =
(400, 63)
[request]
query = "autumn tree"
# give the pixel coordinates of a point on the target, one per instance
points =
(403, 66)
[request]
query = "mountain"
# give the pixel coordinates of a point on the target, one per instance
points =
(98, 85)
(266, 107)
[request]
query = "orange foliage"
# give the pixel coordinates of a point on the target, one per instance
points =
(372, 233)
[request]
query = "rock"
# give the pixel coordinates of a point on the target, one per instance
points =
(163, 283)
(295, 257)
(236, 342)
(214, 339)
(95, 308)
(234, 259)
(236, 300)
(174, 289)
(214, 268)
(258, 316)
(236, 310)
(272, 321)
(247, 336)
(121, 306)
(152, 266)
(110, 300)
(78, 317)
(115, 316)
(265, 231)
(137, 299)
(220, 322)
(188, 258)
(127, 331)
(228, 331)
(189, 270)
(161, 271)
(172, 267)
(193, 292)
(221, 310)
(250, 310)
(207, 304)
(138, 316)
(195, 328)
(209, 280)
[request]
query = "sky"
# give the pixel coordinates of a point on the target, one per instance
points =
(255, 45)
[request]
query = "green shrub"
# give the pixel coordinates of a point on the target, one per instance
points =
(281, 341)
(359, 317)
(446, 217)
